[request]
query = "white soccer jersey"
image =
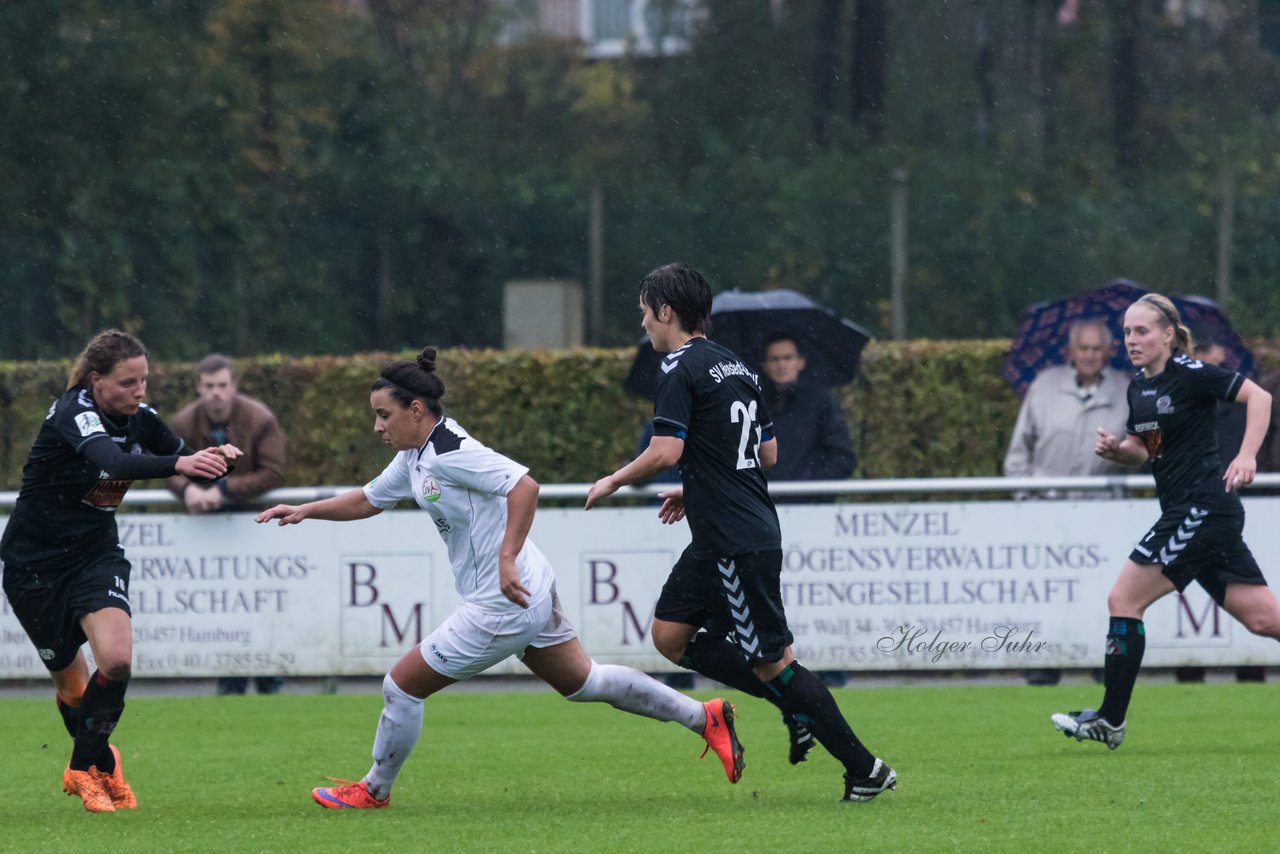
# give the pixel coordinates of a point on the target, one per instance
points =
(463, 485)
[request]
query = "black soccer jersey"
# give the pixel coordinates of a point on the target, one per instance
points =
(78, 470)
(1173, 415)
(710, 399)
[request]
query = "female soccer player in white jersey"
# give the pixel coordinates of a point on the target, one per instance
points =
(482, 503)
(1198, 536)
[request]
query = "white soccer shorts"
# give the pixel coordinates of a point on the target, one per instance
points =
(472, 639)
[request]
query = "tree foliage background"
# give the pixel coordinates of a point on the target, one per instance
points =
(331, 177)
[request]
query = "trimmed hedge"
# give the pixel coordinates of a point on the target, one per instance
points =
(919, 408)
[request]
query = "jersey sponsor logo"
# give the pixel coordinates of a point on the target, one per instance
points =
(1150, 392)
(430, 490)
(1152, 440)
(107, 493)
(89, 423)
(1164, 405)
(724, 370)
(1146, 426)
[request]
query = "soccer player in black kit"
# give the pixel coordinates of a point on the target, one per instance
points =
(65, 574)
(720, 612)
(1198, 536)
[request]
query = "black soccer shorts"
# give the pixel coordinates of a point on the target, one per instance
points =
(49, 605)
(739, 597)
(1195, 544)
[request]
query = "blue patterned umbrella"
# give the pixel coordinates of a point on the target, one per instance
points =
(1042, 341)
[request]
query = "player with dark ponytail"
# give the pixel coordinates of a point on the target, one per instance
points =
(65, 573)
(482, 504)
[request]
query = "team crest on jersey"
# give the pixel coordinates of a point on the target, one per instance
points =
(89, 423)
(430, 490)
(1164, 405)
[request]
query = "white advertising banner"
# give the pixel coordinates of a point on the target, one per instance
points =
(867, 587)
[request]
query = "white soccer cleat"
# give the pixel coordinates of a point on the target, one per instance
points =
(1087, 725)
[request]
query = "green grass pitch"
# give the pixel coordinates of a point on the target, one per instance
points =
(980, 769)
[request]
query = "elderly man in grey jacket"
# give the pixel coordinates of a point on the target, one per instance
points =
(1063, 409)
(1058, 424)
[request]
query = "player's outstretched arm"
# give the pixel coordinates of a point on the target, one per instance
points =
(341, 508)
(663, 452)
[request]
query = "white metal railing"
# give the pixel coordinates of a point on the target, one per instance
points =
(1115, 485)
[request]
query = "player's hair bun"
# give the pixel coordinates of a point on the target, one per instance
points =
(416, 379)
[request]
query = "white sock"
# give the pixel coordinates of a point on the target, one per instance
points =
(629, 690)
(399, 726)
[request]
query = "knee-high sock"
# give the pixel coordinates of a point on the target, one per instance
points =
(399, 726)
(1126, 643)
(100, 711)
(70, 714)
(802, 695)
(629, 690)
(716, 658)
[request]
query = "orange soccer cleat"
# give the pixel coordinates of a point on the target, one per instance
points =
(349, 796)
(720, 736)
(119, 791)
(88, 786)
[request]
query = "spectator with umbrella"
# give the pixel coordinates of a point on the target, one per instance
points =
(1065, 405)
(746, 322)
(1043, 339)
(813, 436)
(1057, 426)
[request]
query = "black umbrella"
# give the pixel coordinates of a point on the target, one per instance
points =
(743, 322)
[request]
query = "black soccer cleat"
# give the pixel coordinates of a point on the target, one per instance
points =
(800, 737)
(1088, 725)
(882, 779)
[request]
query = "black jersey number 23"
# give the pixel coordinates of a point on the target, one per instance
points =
(744, 414)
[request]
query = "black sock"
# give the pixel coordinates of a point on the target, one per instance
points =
(70, 715)
(802, 695)
(1126, 642)
(100, 710)
(716, 658)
